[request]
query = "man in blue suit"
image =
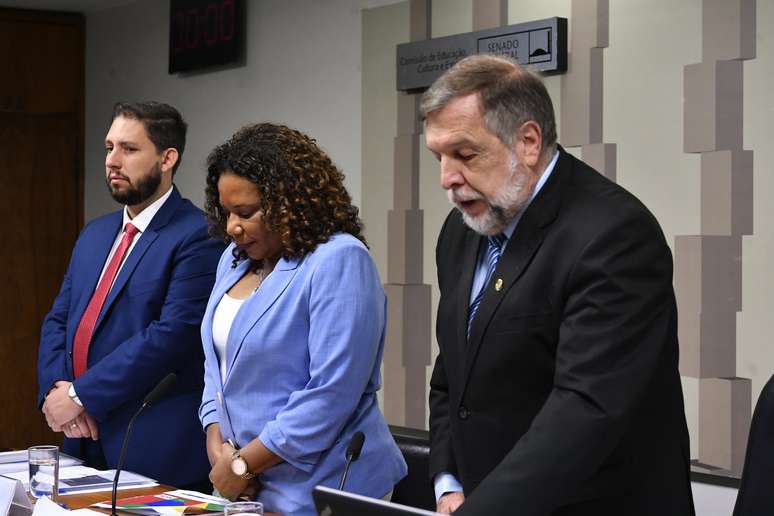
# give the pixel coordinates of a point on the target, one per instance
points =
(129, 310)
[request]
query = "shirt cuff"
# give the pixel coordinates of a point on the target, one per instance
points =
(74, 396)
(445, 483)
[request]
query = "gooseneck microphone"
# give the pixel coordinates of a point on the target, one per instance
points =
(353, 453)
(158, 392)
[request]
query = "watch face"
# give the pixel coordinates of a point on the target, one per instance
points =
(239, 466)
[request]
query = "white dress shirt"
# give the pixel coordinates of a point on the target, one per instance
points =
(141, 222)
(222, 320)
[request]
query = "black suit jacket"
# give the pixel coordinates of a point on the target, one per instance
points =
(566, 399)
(754, 496)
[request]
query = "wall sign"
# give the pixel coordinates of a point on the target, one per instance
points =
(541, 45)
(205, 33)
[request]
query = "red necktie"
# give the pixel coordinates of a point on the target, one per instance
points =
(89, 319)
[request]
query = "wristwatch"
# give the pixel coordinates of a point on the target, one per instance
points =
(73, 396)
(239, 466)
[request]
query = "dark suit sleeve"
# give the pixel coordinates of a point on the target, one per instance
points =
(617, 322)
(441, 456)
(52, 352)
(134, 367)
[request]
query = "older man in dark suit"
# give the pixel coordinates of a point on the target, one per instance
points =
(556, 389)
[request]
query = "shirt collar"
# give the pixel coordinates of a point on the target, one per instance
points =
(510, 228)
(144, 218)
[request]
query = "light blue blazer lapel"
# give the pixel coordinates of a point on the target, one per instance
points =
(256, 306)
(228, 279)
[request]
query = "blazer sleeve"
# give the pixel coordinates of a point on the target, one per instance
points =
(441, 455)
(346, 329)
(52, 352)
(134, 367)
(617, 325)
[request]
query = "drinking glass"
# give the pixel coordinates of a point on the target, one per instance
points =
(44, 471)
(243, 508)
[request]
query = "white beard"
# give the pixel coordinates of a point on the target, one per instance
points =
(505, 204)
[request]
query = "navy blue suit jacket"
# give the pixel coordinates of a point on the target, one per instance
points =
(148, 327)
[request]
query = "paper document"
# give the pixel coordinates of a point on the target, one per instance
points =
(13, 456)
(81, 479)
(173, 503)
(15, 461)
(45, 507)
(91, 482)
(13, 499)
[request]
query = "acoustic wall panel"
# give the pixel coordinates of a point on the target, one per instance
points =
(727, 192)
(724, 419)
(713, 106)
(728, 29)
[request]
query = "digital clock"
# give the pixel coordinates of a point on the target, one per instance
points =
(205, 33)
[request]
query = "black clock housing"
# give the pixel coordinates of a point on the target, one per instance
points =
(205, 33)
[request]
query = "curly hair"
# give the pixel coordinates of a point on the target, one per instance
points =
(302, 193)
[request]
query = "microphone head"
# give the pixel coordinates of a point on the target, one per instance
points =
(161, 389)
(355, 446)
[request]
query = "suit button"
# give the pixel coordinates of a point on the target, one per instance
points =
(463, 412)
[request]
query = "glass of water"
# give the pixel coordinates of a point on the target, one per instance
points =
(44, 471)
(244, 508)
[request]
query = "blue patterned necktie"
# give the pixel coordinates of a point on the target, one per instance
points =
(493, 251)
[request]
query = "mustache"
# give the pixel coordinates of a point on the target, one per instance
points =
(459, 195)
(119, 176)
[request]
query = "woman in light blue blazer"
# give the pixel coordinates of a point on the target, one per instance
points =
(294, 329)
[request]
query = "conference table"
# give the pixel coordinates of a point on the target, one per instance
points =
(79, 501)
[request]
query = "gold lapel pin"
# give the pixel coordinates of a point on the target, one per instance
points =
(499, 284)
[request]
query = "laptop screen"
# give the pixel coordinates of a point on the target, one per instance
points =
(332, 502)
